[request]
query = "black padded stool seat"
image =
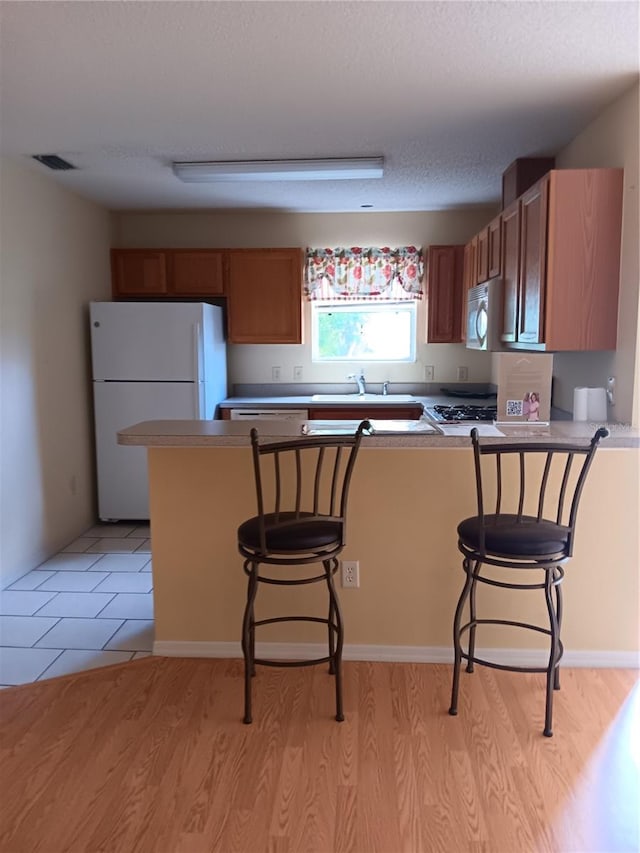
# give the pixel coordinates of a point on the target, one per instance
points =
(302, 519)
(290, 533)
(510, 535)
(544, 479)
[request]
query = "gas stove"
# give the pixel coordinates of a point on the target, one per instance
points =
(461, 412)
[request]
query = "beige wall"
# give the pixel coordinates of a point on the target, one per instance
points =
(253, 363)
(402, 529)
(611, 141)
(54, 259)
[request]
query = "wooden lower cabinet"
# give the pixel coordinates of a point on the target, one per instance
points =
(360, 412)
(264, 296)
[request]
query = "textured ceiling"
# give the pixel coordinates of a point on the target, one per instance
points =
(448, 92)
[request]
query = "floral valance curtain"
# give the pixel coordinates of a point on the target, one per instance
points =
(364, 274)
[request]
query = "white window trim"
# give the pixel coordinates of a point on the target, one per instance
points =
(379, 306)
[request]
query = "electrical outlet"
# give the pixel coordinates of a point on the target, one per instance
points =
(275, 374)
(428, 372)
(463, 374)
(350, 573)
(297, 374)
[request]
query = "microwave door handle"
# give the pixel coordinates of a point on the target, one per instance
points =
(481, 336)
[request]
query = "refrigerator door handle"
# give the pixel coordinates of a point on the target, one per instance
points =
(198, 371)
(197, 352)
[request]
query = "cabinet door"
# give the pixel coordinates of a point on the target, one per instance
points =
(533, 254)
(483, 256)
(467, 282)
(138, 272)
(444, 294)
(494, 259)
(196, 272)
(510, 263)
(264, 296)
(364, 410)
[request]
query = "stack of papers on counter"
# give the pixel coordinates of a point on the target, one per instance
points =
(378, 427)
(465, 429)
(422, 426)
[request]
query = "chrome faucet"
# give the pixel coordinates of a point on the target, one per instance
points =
(385, 388)
(360, 381)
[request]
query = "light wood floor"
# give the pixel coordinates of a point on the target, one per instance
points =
(152, 757)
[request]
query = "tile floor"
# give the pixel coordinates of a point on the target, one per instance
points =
(90, 605)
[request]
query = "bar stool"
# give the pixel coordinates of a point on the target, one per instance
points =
(302, 507)
(510, 539)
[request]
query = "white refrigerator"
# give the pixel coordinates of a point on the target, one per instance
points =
(151, 361)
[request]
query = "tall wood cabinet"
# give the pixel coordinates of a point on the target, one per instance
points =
(561, 262)
(444, 294)
(264, 296)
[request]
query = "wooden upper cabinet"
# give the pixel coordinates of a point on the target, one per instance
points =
(482, 266)
(138, 272)
(561, 262)
(167, 272)
(444, 294)
(533, 256)
(510, 265)
(583, 258)
(494, 239)
(196, 272)
(264, 296)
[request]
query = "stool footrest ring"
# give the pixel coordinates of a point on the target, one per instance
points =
(309, 662)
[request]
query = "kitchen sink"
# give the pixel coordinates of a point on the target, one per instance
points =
(390, 399)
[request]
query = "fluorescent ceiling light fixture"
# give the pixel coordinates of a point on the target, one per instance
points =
(330, 169)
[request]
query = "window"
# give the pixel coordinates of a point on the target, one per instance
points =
(365, 331)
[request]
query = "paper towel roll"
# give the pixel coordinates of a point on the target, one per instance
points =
(597, 408)
(580, 403)
(590, 404)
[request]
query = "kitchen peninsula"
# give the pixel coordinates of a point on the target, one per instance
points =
(408, 494)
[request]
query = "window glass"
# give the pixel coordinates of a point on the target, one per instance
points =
(364, 331)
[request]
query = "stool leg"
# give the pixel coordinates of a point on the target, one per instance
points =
(472, 617)
(553, 652)
(248, 641)
(558, 588)
(457, 646)
(331, 620)
(339, 639)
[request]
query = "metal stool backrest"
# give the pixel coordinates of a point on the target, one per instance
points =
(309, 480)
(550, 495)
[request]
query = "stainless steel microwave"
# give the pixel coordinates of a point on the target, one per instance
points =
(484, 316)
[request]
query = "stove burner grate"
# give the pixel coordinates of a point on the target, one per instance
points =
(465, 413)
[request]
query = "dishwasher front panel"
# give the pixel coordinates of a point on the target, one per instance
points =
(268, 414)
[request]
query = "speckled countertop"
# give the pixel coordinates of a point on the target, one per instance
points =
(185, 433)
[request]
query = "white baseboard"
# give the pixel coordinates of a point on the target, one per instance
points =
(400, 654)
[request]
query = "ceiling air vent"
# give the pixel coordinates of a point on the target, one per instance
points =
(53, 162)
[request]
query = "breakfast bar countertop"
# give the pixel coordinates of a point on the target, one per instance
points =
(185, 433)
